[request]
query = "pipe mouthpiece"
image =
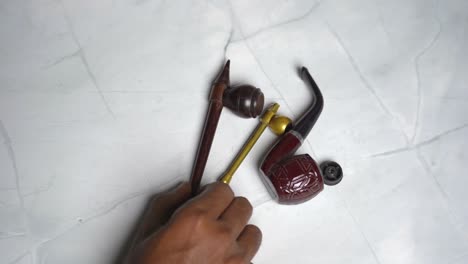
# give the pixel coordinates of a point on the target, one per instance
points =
(304, 70)
(310, 116)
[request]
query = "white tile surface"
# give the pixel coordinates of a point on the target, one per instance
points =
(94, 118)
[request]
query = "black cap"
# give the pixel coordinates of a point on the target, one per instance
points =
(332, 173)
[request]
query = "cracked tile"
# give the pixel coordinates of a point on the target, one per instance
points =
(261, 15)
(23, 259)
(6, 169)
(138, 61)
(402, 212)
(311, 232)
(44, 39)
(14, 249)
(446, 158)
(60, 248)
(102, 105)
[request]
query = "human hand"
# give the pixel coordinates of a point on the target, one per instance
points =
(211, 228)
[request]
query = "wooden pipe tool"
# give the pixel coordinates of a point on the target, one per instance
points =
(244, 100)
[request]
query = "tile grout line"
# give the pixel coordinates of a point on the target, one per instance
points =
(416, 61)
(11, 154)
(364, 80)
(16, 260)
(280, 24)
(80, 53)
(369, 245)
(421, 144)
(451, 212)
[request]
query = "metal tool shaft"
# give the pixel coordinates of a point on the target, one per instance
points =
(264, 121)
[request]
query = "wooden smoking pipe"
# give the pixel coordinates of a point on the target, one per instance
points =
(278, 124)
(244, 100)
(296, 179)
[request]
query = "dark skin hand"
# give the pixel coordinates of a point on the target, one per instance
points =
(210, 228)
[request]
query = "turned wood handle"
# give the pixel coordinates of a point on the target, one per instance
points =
(209, 129)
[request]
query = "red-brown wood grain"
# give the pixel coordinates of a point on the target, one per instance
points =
(209, 129)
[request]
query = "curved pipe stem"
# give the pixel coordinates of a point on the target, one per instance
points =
(307, 121)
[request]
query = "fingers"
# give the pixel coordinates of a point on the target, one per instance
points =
(213, 200)
(160, 209)
(249, 241)
(237, 215)
(163, 206)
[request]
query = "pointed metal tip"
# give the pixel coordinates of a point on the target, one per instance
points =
(224, 75)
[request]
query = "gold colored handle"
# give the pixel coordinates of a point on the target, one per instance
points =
(264, 121)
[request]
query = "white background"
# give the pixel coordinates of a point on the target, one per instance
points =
(102, 105)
